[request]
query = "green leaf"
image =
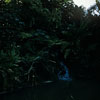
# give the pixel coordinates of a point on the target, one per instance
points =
(25, 35)
(7, 1)
(67, 53)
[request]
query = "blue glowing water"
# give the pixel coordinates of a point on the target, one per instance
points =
(64, 76)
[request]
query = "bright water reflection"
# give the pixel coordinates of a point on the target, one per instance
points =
(65, 75)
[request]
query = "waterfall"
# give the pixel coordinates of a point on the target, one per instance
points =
(65, 75)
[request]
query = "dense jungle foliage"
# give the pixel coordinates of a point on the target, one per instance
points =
(36, 35)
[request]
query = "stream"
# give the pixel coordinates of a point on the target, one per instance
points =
(63, 89)
(64, 76)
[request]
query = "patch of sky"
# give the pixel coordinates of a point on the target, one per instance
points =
(85, 3)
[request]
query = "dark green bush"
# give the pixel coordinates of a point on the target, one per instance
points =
(36, 35)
